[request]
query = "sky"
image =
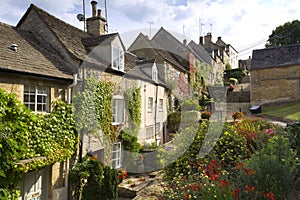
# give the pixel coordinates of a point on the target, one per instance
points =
(245, 25)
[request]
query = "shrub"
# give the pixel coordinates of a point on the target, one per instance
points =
(293, 131)
(174, 121)
(190, 104)
(274, 166)
(237, 115)
(205, 115)
(231, 146)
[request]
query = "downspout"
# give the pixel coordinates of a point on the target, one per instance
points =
(70, 87)
(155, 114)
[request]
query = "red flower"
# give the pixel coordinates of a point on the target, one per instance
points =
(236, 192)
(249, 188)
(223, 183)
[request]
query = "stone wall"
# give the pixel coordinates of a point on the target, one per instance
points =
(277, 84)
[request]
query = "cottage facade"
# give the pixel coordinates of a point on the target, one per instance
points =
(275, 75)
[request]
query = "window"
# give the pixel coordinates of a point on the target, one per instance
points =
(161, 104)
(157, 127)
(118, 110)
(116, 157)
(149, 133)
(150, 104)
(36, 98)
(117, 58)
(154, 73)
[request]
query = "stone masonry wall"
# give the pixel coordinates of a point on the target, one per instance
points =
(276, 84)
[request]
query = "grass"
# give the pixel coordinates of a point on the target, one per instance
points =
(289, 111)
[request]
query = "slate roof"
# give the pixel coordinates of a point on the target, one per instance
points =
(69, 35)
(171, 44)
(200, 52)
(142, 42)
(276, 57)
(31, 56)
(99, 40)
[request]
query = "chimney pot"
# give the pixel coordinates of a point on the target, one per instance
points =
(219, 38)
(99, 12)
(94, 8)
(201, 40)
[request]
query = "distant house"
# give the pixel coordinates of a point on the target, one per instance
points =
(275, 74)
(220, 51)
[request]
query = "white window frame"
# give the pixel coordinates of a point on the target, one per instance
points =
(150, 104)
(149, 133)
(117, 155)
(117, 61)
(161, 105)
(35, 97)
(157, 129)
(154, 73)
(118, 110)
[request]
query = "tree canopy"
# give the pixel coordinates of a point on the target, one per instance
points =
(288, 33)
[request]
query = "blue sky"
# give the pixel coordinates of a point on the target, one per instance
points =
(240, 23)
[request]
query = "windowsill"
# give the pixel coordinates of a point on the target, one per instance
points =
(117, 123)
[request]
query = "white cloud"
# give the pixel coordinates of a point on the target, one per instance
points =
(240, 23)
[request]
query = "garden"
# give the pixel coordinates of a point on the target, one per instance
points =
(251, 159)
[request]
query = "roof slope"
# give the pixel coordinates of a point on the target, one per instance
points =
(68, 35)
(276, 57)
(31, 56)
(200, 52)
(142, 42)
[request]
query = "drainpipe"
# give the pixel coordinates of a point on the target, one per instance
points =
(70, 88)
(155, 115)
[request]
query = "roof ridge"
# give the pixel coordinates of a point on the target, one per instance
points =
(33, 6)
(6, 25)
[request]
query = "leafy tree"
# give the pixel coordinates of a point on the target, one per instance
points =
(288, 33)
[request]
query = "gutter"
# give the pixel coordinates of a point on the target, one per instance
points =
(70, 87)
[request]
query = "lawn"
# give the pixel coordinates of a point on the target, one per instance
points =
(289, 111)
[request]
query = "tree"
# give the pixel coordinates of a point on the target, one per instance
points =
(286, 34)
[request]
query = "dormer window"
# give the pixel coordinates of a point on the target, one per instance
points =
(117, 58)
(154, 73)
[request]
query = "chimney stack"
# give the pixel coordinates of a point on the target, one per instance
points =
(201, 40)
(94, 8)
(207, 40)
(185, 42)
(96, 25)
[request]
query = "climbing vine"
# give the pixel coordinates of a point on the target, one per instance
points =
(134, 107)
(31, 141)
(93, 108)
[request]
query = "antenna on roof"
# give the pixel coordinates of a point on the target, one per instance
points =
(106, 23)
(183, 31)
(150, 24)
(81, 17)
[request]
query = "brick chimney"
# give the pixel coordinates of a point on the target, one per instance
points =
(201, 40)
(96, 24)
(207, 40)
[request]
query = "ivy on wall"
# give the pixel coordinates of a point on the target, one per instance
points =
(31, 141)
(134, 107)
(93, 108)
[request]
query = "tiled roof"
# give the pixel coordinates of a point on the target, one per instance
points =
(168, 42)
(99, 40)
(276, 57)
(31, 56)
(143, 43)
(200, 52)
(69, 35)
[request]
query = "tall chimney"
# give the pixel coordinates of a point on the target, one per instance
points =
(94, 8)
(201, 40)
(96, 24)
(207, 40)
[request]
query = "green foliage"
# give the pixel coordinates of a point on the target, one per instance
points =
(129, 140)
(274, 166)
(24, 135)
(174, 121)
(293, 131)
(231, 146)
(288, 33)
(91, 180)
(233, 73)
(228, 66)
(93, 108)
(134, 107)
(110, 184)
(190, 104)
